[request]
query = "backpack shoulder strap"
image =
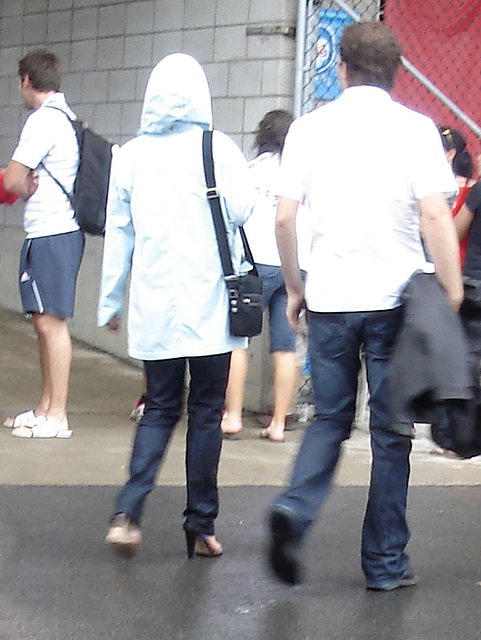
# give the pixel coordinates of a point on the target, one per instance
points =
(69, 195)
(77, 126)
(51, 106)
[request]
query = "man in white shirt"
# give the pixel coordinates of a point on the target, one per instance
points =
(53, 248)
(375, 177)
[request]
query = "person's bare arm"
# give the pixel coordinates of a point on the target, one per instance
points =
(441, 238)
(20, 179)
(287, 243)
(463, 220)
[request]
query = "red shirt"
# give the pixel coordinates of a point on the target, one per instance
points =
(457, 204)
(5, 196)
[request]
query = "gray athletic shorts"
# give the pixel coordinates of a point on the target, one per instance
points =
(48, 273)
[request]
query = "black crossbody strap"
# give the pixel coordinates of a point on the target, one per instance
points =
(215, 206)
(214, 201)
(247, 250)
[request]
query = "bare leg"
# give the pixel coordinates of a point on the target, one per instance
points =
(55, 346)
(234, 398)
(44, 402)
(285, 378)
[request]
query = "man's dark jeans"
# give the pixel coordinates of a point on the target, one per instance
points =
(164, 401)
(335, 341)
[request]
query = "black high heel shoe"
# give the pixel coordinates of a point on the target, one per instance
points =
(190, 539)
(200, 544)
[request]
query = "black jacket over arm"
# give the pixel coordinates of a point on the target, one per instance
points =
(431, 377)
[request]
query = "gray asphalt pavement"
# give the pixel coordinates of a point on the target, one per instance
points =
(59, 580)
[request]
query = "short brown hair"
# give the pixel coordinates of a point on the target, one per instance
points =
(372, 54)
(43, 69)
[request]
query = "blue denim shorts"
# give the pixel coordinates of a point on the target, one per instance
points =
(274, 298)
(48, 273)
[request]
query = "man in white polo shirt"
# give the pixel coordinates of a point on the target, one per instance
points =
(375, 178)
(53, 248)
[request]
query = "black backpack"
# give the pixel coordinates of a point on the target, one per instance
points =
(91, 186)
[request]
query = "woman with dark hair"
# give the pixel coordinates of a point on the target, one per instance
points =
(461, 162)
(260, 230)
(468, 221)
(272, 132)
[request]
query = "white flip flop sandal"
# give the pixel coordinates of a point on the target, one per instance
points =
(45, 429)
(25, 419)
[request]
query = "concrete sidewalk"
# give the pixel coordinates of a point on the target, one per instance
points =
(58, 579)
(103, 392)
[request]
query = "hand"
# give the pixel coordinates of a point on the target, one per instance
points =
(296, 305)
(114, 324)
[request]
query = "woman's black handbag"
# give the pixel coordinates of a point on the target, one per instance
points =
(245, 291)
(245, 304)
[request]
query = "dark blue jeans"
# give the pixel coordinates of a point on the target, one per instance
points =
(335, 341)
(163, 408)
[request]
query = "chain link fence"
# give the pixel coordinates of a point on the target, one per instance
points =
(441, 42)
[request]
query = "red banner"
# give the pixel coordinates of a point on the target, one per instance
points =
(442, 39)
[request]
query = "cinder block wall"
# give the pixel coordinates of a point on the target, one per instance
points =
(107, 49)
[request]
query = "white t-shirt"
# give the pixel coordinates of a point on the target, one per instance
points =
(363, 162)
(48, 137)
(260, 228)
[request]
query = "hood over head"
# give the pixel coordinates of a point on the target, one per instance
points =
(177, 92)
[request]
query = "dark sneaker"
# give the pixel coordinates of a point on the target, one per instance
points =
(408, 580)
(283, 548)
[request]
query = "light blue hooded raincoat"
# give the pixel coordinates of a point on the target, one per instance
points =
(159, 223)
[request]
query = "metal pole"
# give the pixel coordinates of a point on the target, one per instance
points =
(430, 86)
(300, 47)
(347, 9)
(442, 97)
